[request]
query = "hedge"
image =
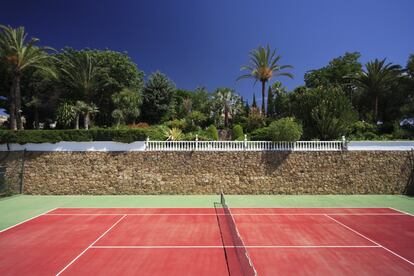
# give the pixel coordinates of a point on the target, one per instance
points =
(81, 135)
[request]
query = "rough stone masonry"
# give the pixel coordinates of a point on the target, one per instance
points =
(106, 173)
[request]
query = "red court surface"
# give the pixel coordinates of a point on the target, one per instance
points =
(194, 241)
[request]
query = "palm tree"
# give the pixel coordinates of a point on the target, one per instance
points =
(118, 115)
(227, 103)
(263, 66)
(128, 101)
(19, 54)
(79, 73)
(87, 110)
(377, 79)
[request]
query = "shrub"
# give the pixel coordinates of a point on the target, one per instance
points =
(173, 134)
(255, 120)
(176, 123)
(362, 130)
(80, 135)
(260, 134)
(212, 133)
(191, 136)
(237, 133)
(325, 111)
(196, 118)
(156, 132)
(139, 125)
(285, 129)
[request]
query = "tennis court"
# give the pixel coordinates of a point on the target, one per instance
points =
(211, 241)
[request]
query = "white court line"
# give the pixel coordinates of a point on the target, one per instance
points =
(402, 212)
(227, 246)
(77, 257)
(241, 214)
(42, 214)
(374, 242)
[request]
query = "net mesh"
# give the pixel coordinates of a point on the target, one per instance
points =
(237, 257)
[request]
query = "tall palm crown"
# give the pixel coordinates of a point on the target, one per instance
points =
(377, 79)
(263, 66)
(79, 72)
(19, 54)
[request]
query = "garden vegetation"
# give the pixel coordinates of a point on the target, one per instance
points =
(102, 95)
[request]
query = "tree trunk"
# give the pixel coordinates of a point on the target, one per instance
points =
(86, 120)
(263, 98)
(12, 107)
(36, 117)
(77, 121)
(376, 109)
(18, 100)
(226, 116)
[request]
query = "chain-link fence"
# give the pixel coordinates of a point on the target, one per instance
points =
(11, 172)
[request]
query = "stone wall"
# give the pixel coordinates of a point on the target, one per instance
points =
(10, 171)
(98, 173)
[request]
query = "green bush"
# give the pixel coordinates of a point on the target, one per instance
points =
(176, 123)
(285, 129)
(212, 133)
(362, 130)
(81, 135)
(191, 136)
(260, 134)
(237, 133)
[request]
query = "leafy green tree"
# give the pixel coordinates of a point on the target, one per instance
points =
(35, 103)
(285, 129)
(339, 71)
(328, 113)
(20, 54)
(112, 71)
(270, 103)
(377, 80)
(128, 102)
(281, 103)
(255, 120)
(196, 118)
(406, 106)
(263, 66)
(201, 100)
(159, 94)
(336, 72)
(184, 103)
(41, 97)
(410, 65)
(117, 71)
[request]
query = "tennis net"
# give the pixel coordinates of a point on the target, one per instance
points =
(237, 257)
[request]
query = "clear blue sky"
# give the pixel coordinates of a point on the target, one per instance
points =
(199, 42)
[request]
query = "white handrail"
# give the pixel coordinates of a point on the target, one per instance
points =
(244, 146)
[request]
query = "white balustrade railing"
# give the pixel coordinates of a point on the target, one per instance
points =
(244, 146)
